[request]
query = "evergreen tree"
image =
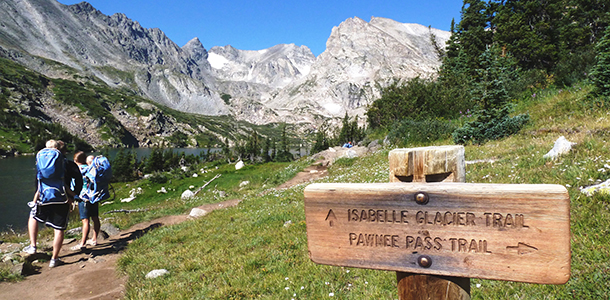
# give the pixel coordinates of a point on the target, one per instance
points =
(530, 31)
(601, 71)
(155, 161)
(266, 149)
(273, 149)
(322, 141)
(253, 146)
(283, 153)
(472, 34)
(226, 151)
(491, 92)
(123, 167)
(345, 133)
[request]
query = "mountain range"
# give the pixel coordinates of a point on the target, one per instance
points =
(284, 83)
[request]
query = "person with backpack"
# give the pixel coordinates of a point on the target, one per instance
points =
(53, 196)
(86, 208)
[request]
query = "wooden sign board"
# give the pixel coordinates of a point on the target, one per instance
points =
(516, 232)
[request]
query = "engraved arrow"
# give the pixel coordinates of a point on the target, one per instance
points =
(523, 248)
(331, 218)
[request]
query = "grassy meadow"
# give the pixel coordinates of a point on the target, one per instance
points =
(258, 250)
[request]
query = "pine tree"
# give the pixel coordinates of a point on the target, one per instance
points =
(322, 142)
(266, 148)
(253, 146)
(530, 31)
(122, 169)
(471, 36)
(155, 161)
(345, 134)
(283, 153)
(491, 92)
(601, 71)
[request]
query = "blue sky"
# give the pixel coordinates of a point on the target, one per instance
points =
(256, 25)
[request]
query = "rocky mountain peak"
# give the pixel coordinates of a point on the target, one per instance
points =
(360, 56)
(274, 67)
(194, 48)
(283, 83)
(83, 7)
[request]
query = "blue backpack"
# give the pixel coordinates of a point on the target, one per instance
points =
(50, 175)
(98, 178)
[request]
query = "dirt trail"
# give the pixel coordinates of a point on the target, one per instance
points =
(91, 273)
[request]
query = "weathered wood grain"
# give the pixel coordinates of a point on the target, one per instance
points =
(492, 231)
(427, 164)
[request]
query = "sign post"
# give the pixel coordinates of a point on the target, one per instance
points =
(430, 164)
(450, 230)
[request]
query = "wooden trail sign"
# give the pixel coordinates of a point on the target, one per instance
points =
(491, 231)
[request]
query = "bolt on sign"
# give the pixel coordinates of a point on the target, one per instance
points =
(516, 232)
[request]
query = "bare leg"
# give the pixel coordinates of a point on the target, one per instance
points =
(85, 232)
(33, 230)
(96, 228)
(57, 242)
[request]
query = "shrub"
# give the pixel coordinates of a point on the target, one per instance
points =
(411, 132)
(479, 132)
(158, 178)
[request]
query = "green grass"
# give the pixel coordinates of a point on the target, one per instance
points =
(248, 252)
(258, 250)
(255, 250)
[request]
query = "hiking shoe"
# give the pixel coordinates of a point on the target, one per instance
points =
(55, 262)
(77, 247)
(91, 243)
(30, 249)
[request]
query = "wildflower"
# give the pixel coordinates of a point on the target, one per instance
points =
(478, 285)
(331, 294)
(287, 288)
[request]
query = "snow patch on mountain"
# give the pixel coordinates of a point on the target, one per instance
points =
(217, 61)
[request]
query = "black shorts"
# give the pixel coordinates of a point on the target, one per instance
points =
(87, 210)
(53, 215)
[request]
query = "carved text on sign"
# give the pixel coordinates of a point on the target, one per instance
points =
(491, 231)
(495, 219)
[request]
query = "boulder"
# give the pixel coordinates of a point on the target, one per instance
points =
(127, 200)
(13, 267)
(350, 154)
(197, 212)
(239, 165)
(156, 273)
(187, 195)
(602, 188)
(562, 146)
(109, 229)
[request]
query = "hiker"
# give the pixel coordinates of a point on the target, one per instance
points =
(53, 197)
(86, 209)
